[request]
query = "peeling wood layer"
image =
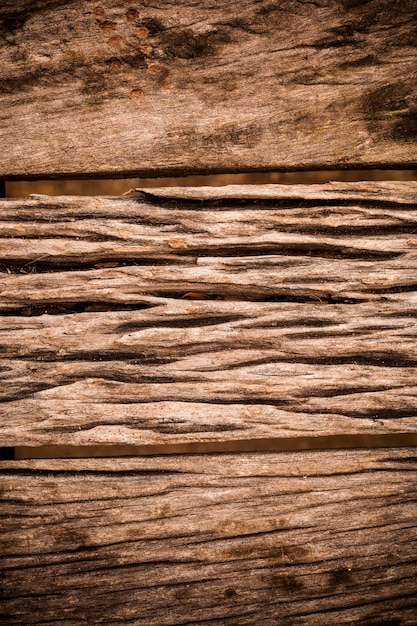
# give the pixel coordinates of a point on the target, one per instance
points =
(109, 88)
(302, 538)
(150, 319)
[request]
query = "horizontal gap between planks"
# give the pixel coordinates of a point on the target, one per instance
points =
(332, 442)
(120, 185)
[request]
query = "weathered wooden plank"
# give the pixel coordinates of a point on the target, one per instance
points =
(361, 247)
(209, 371)
(335, 356)
(300, 538)
(112, 88)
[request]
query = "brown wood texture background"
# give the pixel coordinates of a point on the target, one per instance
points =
(122, 88)
(210, 315)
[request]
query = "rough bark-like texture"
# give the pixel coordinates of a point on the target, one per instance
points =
(295, 538)
(123, 357)
(113, 87)
(217, 371)
(337, 241)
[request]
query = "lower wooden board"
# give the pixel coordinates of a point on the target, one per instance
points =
(290, 538)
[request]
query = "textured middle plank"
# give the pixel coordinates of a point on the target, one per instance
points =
(209, 315)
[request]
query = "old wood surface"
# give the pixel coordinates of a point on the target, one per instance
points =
(294, 538)
(348, 241)
(112, 87)
(314, 333)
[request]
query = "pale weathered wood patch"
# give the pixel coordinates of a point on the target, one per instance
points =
(294, 538)
(314, 333)
(114, 88)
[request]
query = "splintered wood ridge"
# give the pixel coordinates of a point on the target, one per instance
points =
(299, 538)
(209, 315)
(106, 88)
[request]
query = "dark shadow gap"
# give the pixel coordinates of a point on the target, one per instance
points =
(7, 454)
(116, 186)
(200, 204)
(69, 308)
(331, 442)
(190, 256)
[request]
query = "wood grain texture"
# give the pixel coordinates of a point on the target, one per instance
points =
(338, 241)
(301, 538)
(207, 372)
(92, 354)
(112, 88)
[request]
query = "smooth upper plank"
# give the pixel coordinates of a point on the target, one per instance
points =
(125, 88)
(181, 372)
(313, 538)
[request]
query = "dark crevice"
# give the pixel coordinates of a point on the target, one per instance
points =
(214, 320)
(179, 322)
(67, 237)
(394, 289)
(136, 356)
(265, 203)
(165, 429)
(67, 308)
(327, 251)
(346, 231)
(7, 454)
(189, 256)
(31, 388)
(310, 298)
(325, 392)
(90, 452)
(407, 313)
(43, 266)
(371, 359)
(286, 444)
